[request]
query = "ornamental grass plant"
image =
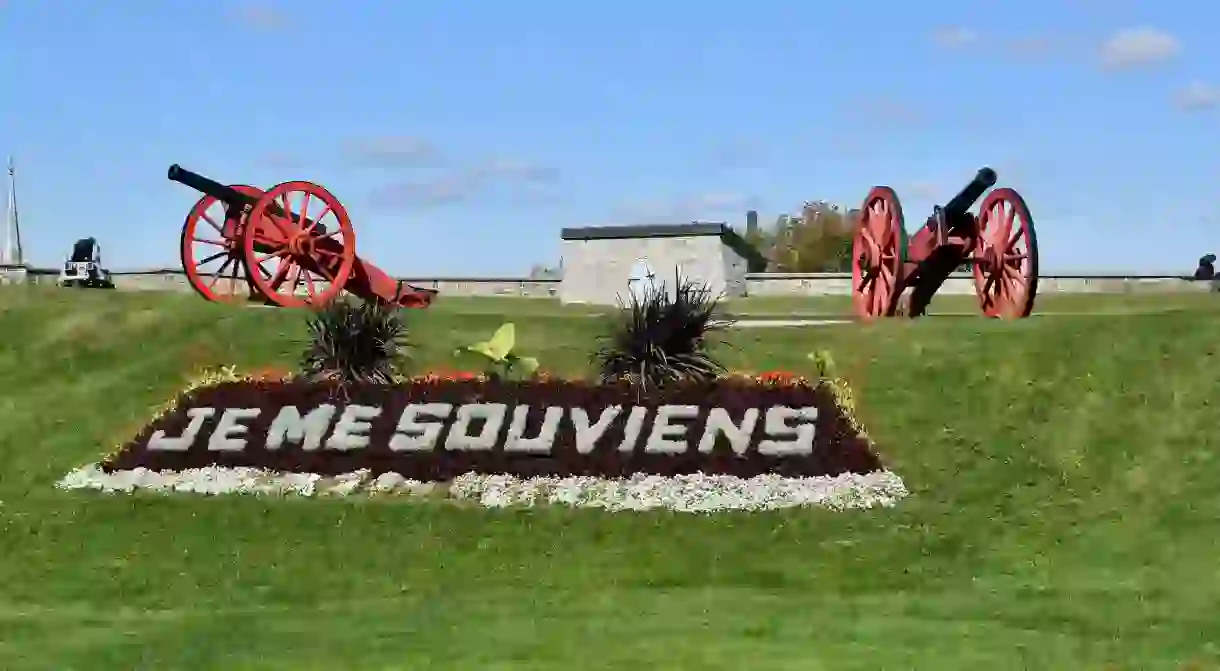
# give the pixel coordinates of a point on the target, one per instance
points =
(353, 341)
(662, 337)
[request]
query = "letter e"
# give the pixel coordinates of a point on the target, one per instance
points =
(229, 430)
(351, 431)
(664, 438)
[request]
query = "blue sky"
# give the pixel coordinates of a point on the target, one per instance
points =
(462, 136)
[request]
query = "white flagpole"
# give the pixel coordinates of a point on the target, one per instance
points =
(12, 242)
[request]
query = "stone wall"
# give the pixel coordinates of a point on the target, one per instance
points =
(589, 266)
(175, 280)
(757, 284)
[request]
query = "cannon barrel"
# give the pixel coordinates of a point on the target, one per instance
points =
(207, 186)
(956, 208)
(232, 196)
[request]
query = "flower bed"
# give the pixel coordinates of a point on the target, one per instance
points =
(742, 441)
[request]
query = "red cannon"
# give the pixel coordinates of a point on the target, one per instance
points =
(292, 246)
(998, 244)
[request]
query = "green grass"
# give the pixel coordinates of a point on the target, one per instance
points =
(1065, 515)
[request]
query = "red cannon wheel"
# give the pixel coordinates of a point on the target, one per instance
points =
(211, 237)
(876, 269)
(303, 238)
(1006, 257)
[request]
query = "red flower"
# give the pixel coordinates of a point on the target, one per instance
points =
(777, 376)
(448, 376)
(269, 374)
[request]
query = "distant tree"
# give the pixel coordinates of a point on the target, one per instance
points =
(818, 240)
(542, 272)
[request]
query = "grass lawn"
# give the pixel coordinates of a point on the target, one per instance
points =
(1065, 513)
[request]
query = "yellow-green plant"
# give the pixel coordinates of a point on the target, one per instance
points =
(499, 358)
(824, 363)
(838, 386)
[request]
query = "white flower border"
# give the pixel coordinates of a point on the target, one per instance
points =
(684, 493)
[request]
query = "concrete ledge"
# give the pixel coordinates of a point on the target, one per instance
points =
(839, 284)
(757, 284)
(173, 279)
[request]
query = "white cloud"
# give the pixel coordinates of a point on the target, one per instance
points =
(952, 37)
(522, 179)
(261, 16)
(1135, 47)
(1198, 95)
(395, 150)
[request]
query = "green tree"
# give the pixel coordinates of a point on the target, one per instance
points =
(818, 240)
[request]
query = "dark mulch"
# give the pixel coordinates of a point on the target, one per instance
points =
(837, 447)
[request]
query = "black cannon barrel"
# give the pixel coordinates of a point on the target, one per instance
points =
(985, 179)
(232, 196)
(207, 186)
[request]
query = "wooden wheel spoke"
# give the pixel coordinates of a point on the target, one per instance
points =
(209, 259)
(297, 219)
(215, 243)
(280, 253)
(318, 219)
(296, 281)
(303, 215)
(1017, 236)
(204, 216)
(869, 239)
(269, 242)
(281, 273)
(285, 204)
(326, 273)
(880, 297)
(989, 282)
(233, 276)
(1013, 289)
(220, 272)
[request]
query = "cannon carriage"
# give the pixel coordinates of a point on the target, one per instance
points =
(290, 246)
(999, 245)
